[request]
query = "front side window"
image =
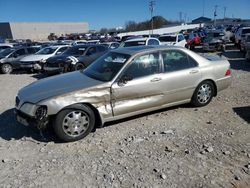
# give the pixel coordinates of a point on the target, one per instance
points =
(76, 50)
(143, 65)
(174, 60)
(20, 52)
(62, 49)
(91, 51)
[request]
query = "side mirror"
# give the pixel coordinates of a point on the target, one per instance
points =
(124, 79)
(57, 53)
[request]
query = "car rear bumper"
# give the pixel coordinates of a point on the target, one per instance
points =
(223, 83)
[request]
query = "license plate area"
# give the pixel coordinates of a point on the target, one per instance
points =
(22, 120)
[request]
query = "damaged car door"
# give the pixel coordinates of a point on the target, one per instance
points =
(138, 87)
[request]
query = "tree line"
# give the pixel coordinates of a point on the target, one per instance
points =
(158, 22)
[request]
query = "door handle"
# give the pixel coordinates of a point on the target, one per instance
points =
(155, 79)
(193, 71)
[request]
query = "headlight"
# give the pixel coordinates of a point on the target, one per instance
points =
(43, 61)
(28, 108)
(41, 112)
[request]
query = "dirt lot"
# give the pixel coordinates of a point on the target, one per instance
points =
(175, 147)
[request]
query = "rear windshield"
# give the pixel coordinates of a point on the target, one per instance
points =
(167, 39)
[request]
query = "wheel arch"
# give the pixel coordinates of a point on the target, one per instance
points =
(98, 118)
(214, 84)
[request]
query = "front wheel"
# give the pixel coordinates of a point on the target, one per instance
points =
(79, 66)
(6, 68)
(74, 123)
(203, 94)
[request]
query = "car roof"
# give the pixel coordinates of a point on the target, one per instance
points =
(171, 35)
(140, 39)
(140, 49)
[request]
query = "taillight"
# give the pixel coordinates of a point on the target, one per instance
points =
(228, 72)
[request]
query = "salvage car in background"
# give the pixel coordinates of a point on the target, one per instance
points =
(111, 45)
(37, 60)
(140, 42)
(9, 58)
(173, 39)
(214, 41)
(122, 83)
(75, 58)
(5, 46)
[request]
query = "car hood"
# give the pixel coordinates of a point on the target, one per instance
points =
(55, 86)
(35, 57)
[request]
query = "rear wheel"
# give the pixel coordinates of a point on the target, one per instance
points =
(74, 123)
(203, 94)
(6, 68)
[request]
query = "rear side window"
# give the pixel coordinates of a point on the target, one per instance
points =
(101, 48)
(175, 60)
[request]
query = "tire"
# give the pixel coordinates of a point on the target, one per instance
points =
(203, 94)
(74, 123)
(6, 68)
(79, 66)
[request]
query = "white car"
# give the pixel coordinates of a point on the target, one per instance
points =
(173, 39)
(34, 62)
(5, 46)
(240, 34)
(140, 42)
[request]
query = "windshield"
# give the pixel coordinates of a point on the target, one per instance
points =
(6, 52)
(46, 51)
(133, 43)
(167, 38)
(106, 67)
(77, 50)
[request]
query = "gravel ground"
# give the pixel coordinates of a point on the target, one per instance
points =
(175, 147)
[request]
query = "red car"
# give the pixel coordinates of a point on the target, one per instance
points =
(193, 40)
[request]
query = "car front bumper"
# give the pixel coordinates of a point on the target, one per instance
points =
(52, 69)
(27, 120)
(35, 66)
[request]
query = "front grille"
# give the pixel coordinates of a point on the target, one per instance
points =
(54, 65)
(17, 101)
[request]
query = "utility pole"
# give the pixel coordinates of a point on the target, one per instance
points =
(215, 14)
(180, 14)
(225, 9)
(151, 8)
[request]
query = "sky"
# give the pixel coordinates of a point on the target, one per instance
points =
(115, 13)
